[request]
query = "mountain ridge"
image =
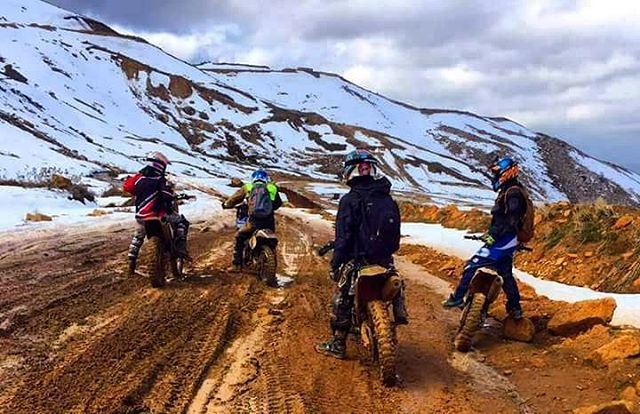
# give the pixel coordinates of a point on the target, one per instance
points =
(76, 87)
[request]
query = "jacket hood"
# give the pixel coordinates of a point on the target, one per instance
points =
(368, 184)
(508, 184)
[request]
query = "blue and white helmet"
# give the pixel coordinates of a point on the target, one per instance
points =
(503, 170)
(260, 175)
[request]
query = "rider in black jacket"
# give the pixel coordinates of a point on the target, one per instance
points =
(348, 217)
(362, 178)
(501, 241)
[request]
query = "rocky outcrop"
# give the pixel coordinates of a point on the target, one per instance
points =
(37, 217)
(620, 348)
(581, 316)
(613, 407)
(521, 330)
(574, 180)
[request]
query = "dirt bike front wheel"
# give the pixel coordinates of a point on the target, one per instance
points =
(267, 266)
(159, 262)
(469, 322)
(385, 340)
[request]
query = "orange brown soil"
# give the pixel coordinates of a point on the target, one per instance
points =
(553, 374)
(593, 245)
(77, 335)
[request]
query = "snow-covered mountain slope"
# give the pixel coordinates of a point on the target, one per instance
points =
(77, 97)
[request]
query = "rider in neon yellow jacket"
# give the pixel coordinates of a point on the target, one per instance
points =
(258, 178)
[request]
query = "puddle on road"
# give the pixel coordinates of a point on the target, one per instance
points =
(488, 379)
(283, 280)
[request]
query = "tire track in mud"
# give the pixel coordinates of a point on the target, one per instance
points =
(96, 342)
(152, 359)
(92, 341)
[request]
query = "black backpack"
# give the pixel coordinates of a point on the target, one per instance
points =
(379, 232)
(259, 202)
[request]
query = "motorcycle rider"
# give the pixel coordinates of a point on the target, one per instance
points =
(260, 181)
(242, 209)
(154, 198)
(352, 250)
(501, 240)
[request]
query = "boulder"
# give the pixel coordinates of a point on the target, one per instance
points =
(613, 407)
(583, 345)
(37, 217)
(622, 222)
(60, 182)
(629, 394)
(620, 348)
(581, 316)
(521, 330)
(627, 255)
(98, 213)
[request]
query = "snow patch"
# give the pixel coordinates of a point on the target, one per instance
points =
(451, 242)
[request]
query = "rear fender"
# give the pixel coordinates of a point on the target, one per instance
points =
(483, 281)
(263, 236)
(370, 284)
(153, 228)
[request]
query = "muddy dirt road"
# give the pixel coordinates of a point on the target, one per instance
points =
(78, 335)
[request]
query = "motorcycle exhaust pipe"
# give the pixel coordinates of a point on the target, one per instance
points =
(391, 288)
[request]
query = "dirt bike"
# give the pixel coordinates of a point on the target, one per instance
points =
(259, 255)
(160, 233)
(373, 288)
(484, 289)
(259, 251)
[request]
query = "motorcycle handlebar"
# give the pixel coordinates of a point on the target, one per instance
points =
(326, 248)
(232, 207)
(472, 237)
(183, 196)
(521, 247)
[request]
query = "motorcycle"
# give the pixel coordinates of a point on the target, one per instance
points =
(259, 251)
(160, 233)
(259, 255)
(484, 289)
(373, 288)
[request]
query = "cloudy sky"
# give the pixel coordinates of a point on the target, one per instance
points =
(566, 68)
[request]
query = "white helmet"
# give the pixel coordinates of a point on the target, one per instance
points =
(157, 161)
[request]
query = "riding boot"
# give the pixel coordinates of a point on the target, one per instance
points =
(134, 250)
(132, 265)
(181, 247)
(400, 314)
(335, 347)
(237, 252)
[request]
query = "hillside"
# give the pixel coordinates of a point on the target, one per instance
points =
(80, 99)
(590, 245)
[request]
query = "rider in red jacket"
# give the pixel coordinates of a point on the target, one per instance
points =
(154, 199)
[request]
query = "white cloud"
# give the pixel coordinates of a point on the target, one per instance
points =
(186, 46)
(460, 76)
(584, 111)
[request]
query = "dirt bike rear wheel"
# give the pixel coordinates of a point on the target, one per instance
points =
(469, 322)
(267, 266)
(385, 341)
(158, 263)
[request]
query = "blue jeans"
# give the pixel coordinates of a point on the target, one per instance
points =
(498, 257)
